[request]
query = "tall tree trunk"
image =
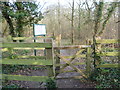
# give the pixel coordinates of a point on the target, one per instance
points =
(98, 15)
(79, 18)
(72, 22)
(19, 20)
(59, 21)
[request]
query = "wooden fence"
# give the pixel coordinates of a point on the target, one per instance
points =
(47, 60)
(107, 48)
(52, 62)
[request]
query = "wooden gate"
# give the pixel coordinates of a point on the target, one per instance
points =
(84, 51)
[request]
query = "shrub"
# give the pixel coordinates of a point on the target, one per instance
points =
(51, 84)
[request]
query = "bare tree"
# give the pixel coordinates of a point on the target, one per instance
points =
(72, 22)
(59, 22)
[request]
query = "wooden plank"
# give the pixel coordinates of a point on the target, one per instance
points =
(76, 63)
(58, 40)
(21, 38)
(109, 54)
(57, 62)
(109, 66)
(27, 57)
(110, 49)
(88, 61)
(31, 45)
(49, 55)
(108, 41)
(26, 62)
(4, 49)
(25, 38)
(25, 78)
(69, 57)
(29, 48)
(32, 57)
(67, 77)
(73, 47)
(68, 71)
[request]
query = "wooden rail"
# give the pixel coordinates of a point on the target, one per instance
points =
(26, 62)
(24, 45)
(103, 41)
(109, 66)
(72, 47)
(24, 78)
(27, 38)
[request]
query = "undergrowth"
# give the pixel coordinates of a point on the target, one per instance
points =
(106, 77)
(51, 84)
(11, 86)
(7, 69)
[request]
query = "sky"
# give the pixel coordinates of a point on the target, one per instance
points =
(64, 2)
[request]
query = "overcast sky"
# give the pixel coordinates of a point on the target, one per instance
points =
(65, 2)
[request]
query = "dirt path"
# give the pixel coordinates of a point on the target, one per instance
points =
(61, 83)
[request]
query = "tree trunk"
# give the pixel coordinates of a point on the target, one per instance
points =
(59, 22)
(19, 21)
(72, 23)
(9, 21)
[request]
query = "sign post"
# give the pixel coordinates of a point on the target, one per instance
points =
(38, 30)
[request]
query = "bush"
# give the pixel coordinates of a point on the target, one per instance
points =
(51, 84)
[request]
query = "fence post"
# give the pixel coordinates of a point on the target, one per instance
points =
(58, 40)
(50, 56)
(98, 50)
(88, 58)
(58, 43)
(57, 69)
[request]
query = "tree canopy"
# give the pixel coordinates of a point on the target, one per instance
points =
(20, 14)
